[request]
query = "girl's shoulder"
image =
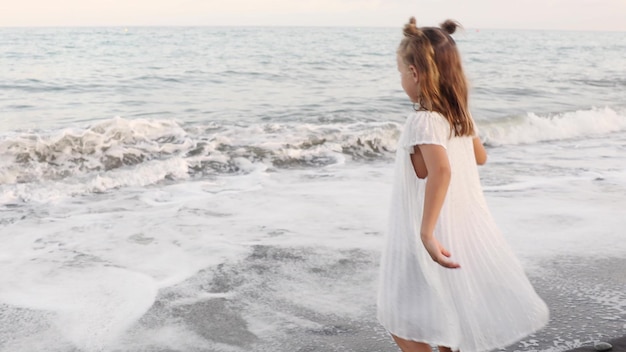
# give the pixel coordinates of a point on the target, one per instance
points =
(427, 115)
(424, 119)
(425, 127)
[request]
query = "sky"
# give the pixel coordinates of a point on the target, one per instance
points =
(504, 14)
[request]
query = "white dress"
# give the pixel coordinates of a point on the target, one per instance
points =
(488, 303)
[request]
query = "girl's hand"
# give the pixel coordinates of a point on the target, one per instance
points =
(438, 254)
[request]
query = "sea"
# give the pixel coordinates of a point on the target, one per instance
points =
(227, 188)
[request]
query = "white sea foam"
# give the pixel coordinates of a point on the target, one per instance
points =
(108, 154)
(534, 128)
(311, 230)
(304, 240)
(46, 191)
(92, 307)
(121, 152)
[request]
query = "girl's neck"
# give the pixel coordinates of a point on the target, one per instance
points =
(424, 106)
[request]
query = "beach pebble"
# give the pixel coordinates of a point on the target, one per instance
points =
(602, 346)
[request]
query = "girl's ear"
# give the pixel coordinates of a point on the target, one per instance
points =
(414, 73)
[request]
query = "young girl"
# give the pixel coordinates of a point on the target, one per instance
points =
(448, 277)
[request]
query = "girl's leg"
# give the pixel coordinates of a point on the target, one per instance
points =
(444, 349)
(411, 346)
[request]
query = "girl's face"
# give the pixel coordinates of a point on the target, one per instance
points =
(409, 78)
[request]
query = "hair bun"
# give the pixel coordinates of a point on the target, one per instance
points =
(449, 26)
(410, 29)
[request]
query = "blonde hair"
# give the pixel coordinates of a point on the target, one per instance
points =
(442, 83)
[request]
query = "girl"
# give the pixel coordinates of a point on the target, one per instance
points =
(448, 277)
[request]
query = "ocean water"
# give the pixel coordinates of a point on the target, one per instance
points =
(226, 189)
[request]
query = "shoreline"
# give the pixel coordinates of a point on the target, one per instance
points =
(586, 297)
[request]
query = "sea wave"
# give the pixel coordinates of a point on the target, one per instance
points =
(101, 151)
(123, 152)
(534, 128)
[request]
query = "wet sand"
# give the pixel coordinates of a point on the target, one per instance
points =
(323, 300)
(587, 300)
(586, 296)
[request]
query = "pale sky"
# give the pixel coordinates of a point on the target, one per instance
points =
(509, 14)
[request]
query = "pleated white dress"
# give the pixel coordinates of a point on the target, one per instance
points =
(488, 303)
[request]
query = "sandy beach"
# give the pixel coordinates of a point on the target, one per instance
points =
(587, 303)
(585, 295)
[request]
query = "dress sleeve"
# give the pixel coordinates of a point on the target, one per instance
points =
(425, 127)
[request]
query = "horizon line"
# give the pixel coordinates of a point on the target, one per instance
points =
(294, 26)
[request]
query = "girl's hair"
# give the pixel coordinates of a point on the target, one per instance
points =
(442, 83)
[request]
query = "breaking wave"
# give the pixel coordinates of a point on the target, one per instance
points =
(139, 152)
(534, 128)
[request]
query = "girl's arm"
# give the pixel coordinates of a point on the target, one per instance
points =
(479, 151)
(438, 170)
